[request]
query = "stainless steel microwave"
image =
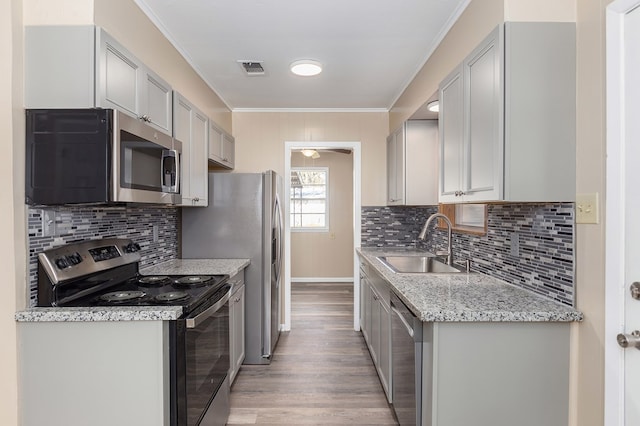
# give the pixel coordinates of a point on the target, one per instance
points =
(98, 156)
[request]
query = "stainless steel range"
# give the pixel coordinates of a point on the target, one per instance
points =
(106, 273)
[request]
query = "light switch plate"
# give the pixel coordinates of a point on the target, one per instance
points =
(587, 208)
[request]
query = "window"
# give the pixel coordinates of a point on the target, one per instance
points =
(310, 199)
(466, 218)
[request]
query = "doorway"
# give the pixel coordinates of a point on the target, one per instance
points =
(355, 148)
(622, 311)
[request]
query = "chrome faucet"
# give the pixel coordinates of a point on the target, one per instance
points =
(425, 228)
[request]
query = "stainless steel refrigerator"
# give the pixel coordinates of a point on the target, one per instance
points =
(244, 220)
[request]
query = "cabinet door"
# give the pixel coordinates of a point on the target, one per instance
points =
(374, 332)
(190, 127)
(384, 357)
(484, 159)
(156, 101)
(199, 159)
(395, 167)
(215, 143)
(451, 129)
(236, 315)
(365, 304)
(228, 150)
(119, 76)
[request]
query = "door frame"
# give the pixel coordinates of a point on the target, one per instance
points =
(615, 287)
(357, 213)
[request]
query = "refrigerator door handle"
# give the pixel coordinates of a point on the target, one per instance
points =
(278, 237)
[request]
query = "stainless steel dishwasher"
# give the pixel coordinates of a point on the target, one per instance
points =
(406, 360)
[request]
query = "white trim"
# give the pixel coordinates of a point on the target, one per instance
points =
(357, 205)
(322, 280)
(615, 202)
(311, 110)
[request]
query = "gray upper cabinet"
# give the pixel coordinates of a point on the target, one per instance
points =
(507, 117)
(412, 164)
(190, 126)
(84, 67)
(221, 147)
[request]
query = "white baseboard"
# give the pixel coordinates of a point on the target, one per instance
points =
(322, 280)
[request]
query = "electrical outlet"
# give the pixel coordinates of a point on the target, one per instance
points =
(48, 223)
(587, 208)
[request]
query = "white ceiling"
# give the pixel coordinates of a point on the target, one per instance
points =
(371, 49)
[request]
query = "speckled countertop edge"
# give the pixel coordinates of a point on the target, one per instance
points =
(107, 313)
(138, 313)
(465, 297)
(197, 267)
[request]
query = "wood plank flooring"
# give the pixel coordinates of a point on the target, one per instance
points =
(321, 372)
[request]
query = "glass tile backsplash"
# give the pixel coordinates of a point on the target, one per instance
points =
(154, 228)
(529, 245)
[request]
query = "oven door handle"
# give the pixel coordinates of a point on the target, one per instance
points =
(195, 321)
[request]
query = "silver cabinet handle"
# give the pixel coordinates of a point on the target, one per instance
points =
(629, 340)
(635, 290)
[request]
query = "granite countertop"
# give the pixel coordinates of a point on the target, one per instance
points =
(197, 267)
(465, 297)
(138, 313)
(101, 313)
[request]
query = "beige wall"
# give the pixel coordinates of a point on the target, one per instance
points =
(327, 254)
(590, 239)
(124, 20)
(260, 138)
(12, 213)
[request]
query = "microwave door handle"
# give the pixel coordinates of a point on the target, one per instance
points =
(194, 322)
(177, 163)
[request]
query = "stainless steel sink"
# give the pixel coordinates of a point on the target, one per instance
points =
(417, 265)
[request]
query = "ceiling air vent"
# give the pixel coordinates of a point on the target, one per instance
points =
(252, 68)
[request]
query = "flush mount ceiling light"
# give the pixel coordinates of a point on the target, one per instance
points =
(306, 67)
(310, 153)
(433, 106)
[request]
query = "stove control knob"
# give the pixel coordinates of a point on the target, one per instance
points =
(131, 248)
(62, 263)
(74, 258)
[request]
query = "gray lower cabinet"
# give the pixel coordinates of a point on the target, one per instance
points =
(376, 323)
(498, 374)
(69, 369)
(82, 66)
(236, 325)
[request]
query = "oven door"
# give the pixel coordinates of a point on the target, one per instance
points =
(201, 363)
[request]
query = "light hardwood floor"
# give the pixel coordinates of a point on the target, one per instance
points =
(321, 372)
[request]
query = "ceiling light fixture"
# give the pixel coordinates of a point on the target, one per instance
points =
(310, 153)
(434, 106)
(306, 68)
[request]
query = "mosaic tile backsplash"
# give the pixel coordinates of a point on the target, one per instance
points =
(86, 223)
(545, 233)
